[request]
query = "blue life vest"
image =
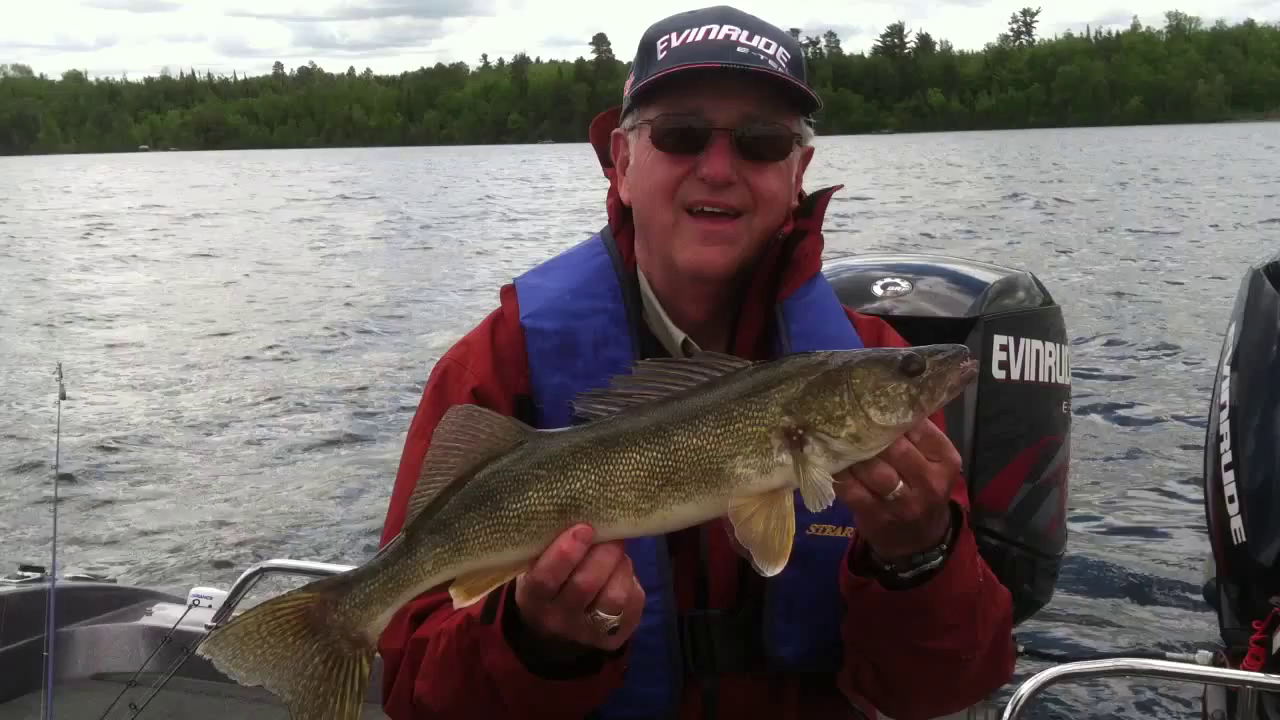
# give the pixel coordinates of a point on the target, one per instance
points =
(578, 333)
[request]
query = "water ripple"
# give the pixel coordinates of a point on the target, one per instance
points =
(246, 336)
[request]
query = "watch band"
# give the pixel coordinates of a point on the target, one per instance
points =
(917, 565)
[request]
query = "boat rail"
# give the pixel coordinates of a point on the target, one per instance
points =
(278, 566)
(1249, 682)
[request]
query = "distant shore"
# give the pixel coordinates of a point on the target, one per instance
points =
(1182, 72)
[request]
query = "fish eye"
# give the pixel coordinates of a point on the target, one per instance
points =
(912, 365)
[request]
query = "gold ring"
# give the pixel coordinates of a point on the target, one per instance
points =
(894, 493)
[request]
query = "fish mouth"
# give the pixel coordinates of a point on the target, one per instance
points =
(951, 363)
(952, 369)
(965, 374)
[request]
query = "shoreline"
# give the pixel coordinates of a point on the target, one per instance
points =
(1267, 117)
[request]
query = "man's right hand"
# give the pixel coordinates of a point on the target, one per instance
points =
(572, 578)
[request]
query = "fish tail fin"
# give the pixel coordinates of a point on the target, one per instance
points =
(297, 647)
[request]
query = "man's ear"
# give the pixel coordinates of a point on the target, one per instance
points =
(620, 154)
(802, 164)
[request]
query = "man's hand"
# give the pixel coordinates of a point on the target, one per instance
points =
(900, 499)
(571, 579)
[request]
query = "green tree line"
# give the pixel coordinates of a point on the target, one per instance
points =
(908, 81)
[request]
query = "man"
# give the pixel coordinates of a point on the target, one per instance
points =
(711, 244)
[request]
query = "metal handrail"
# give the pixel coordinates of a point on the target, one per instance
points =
(278, 566)
(1018, 702)
(1136, 667)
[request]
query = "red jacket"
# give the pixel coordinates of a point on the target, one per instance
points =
(915, 653)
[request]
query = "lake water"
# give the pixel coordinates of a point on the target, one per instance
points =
(246, 335)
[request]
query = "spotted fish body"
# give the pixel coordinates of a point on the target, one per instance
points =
(675, 444)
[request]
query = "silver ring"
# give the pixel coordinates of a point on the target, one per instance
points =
(894, 493)
(605, 622)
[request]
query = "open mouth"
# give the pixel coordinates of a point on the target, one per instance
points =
(968, 371)
(713, 212)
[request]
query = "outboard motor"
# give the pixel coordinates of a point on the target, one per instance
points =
(1242, 491)
(1013, 426)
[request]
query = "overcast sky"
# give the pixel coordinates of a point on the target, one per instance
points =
(142, 36)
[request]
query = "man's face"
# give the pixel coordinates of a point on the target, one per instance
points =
(665, 189)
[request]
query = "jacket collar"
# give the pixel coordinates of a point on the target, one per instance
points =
(793, 257)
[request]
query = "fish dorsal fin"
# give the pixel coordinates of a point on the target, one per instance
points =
(467, 437)
(655, 379)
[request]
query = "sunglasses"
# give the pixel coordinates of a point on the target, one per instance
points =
(756, 142)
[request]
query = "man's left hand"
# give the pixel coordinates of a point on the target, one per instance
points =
(900, 499)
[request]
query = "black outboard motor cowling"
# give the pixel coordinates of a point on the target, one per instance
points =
(1013, 425)
(1242, 470)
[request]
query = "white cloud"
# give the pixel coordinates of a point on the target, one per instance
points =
(142, 36)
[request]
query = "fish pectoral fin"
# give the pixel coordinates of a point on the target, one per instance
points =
(816, 484)
(471, 588)
(654, 379)
(466, 438)
(765, 525)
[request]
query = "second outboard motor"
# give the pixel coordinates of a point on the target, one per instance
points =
(1013, 426)
(1242, 491)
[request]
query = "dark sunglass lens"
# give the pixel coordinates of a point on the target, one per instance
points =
(768, 143)
(679, 137)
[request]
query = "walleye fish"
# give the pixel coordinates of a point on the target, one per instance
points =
(673, 444)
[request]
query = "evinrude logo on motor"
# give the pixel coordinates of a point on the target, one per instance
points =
(1020, 359)
(1226, 463)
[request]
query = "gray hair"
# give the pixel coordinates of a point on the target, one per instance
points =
(806, 132)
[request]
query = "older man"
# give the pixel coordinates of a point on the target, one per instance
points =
(885, 607)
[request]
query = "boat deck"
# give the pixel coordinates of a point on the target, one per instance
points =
(105, 634)
(183, 698)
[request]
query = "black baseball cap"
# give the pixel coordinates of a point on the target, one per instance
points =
(719, 37)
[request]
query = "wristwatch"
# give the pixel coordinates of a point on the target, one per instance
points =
(917, 567)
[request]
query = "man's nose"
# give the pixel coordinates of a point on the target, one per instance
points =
(718, 162)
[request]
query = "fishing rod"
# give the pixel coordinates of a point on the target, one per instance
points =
(46, 697)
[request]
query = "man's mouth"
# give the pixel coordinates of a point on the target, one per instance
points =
(713, 212)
